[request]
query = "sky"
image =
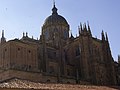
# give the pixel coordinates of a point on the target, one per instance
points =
(18, 16)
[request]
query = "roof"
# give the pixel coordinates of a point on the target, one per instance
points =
(55, 18)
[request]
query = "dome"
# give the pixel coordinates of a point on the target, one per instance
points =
(55, 19)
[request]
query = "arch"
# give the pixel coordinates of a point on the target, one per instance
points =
(48, 81)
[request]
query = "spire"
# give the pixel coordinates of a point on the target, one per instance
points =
(89, 30)
(106, 36)
(2, 33)
(3, 40)
(85, 28)
(54, 9)
(26, 34)
(81, 26)
(103, 37)
(23, 34)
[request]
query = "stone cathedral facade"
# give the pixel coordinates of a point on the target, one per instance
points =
(58, 57)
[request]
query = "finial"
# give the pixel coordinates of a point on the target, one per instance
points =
(80, 25)
(85, 25)
(71, 35)
(106, 36)
(53, 2)
(2, 33)
(89, 30)
(103, 37)
(23, 34)
(102, 32)
(88, 25)
(26, 34)
(85, 28)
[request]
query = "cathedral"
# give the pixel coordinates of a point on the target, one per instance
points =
(58, 57)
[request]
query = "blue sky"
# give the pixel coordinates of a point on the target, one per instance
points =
(17, 16)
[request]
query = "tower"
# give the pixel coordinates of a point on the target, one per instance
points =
(85, 40)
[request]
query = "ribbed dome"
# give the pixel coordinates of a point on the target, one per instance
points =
(55, 19)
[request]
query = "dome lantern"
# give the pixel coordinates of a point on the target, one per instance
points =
(54, 9)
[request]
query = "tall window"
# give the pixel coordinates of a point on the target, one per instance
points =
(46, 35)
(77, 51)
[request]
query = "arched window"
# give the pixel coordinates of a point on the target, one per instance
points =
(77, 51)
(46, 34)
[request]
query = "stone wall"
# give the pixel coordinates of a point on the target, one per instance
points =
(32, 76)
